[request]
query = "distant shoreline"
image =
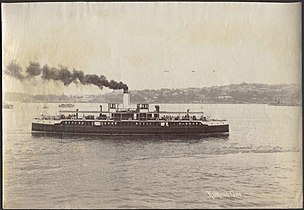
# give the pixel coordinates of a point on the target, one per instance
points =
(265, 104)
(244, 93)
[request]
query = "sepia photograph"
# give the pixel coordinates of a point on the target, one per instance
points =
(140, 105)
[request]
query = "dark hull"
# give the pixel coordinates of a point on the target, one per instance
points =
(128, 130)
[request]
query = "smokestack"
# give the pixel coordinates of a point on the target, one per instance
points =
(126, 98)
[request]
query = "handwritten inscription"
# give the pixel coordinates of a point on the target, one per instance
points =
(230, 194)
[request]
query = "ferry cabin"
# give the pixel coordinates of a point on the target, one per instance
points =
(141, 113)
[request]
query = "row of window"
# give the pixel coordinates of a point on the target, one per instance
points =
(184, 123)
(91, 123)
(127, 123)
(77, 122)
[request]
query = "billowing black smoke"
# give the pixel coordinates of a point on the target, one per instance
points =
(33, 69)
(14, 70)
(62, 74)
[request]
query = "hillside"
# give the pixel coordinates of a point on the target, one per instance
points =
(234, 93)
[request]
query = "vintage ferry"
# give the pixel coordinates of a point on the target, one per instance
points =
(129, 120)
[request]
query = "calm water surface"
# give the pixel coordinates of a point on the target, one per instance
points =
(257, 165)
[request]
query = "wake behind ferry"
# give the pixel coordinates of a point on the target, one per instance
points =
(129, 120)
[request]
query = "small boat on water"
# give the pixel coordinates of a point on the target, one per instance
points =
(7, 106)
(66, 105)
(129, 121)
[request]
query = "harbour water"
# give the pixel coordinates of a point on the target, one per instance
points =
(257, 165)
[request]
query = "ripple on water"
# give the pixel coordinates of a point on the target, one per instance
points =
(157, 172)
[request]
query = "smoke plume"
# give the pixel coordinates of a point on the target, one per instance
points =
(14, 70)
(62, 74)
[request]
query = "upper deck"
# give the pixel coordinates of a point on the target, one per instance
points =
(128, 116)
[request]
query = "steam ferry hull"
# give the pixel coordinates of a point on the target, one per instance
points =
(129, 130)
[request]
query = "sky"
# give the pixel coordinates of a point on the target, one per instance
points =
(154, 45)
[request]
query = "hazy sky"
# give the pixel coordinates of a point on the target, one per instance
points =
(155, 45)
